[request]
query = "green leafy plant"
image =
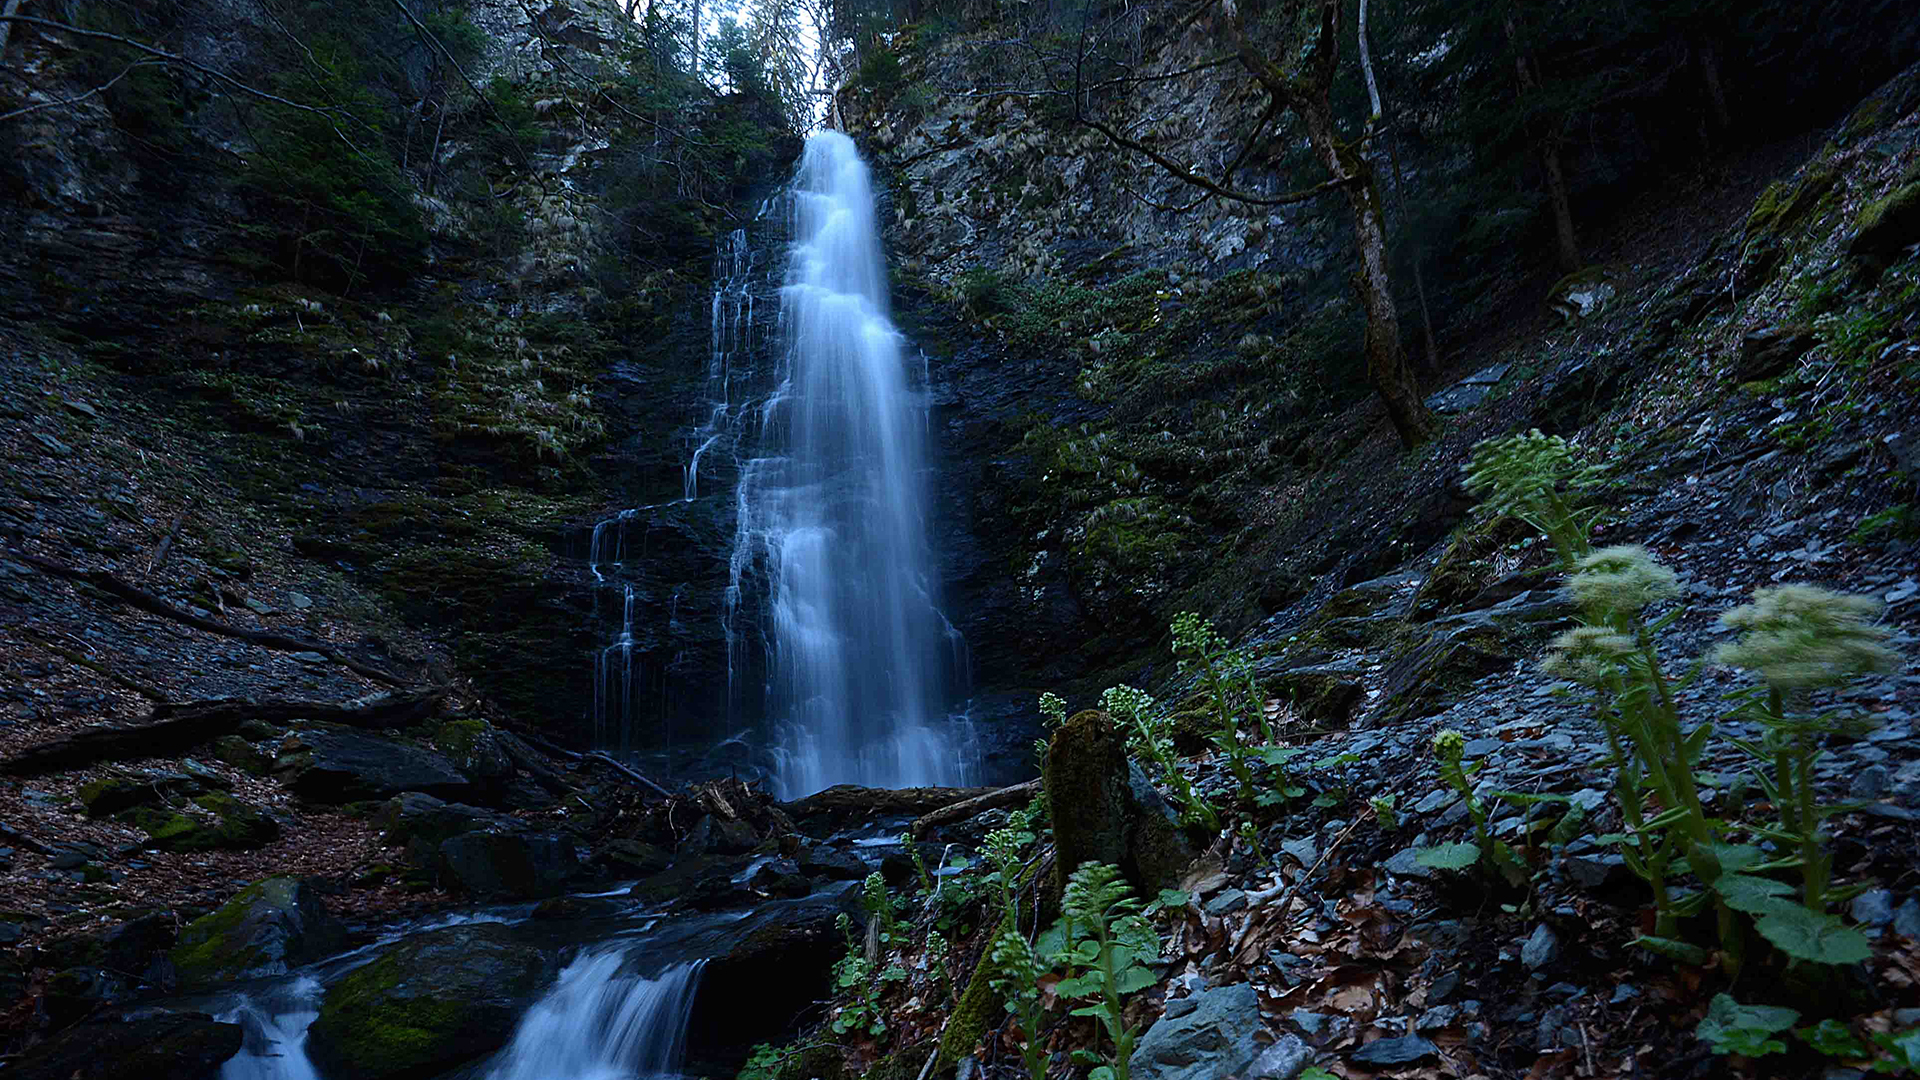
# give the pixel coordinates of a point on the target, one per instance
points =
(855, 975)
(878, 902)
(1383, 811)
(1053, 708)
(1495, 857)
(1227, 675)
(912, 848)
(1106, 946)
(1531, 477)
(1748, 1030)
(1016, 977)
(1149, 737)
(1651, 750)
(1798, 638)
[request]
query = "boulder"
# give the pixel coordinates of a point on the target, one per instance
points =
(176, 1046)
(633, 857)
(341, 765)
(474, 747)
(1207, 1036)
(1888, 225)
(420, 823)
(431, 1002)
(1319, 693)
(833, 864)
(234, 825)
(272, 926)
(522, 865)
(1105, 809)
(113, 794)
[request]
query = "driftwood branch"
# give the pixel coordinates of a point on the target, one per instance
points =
(974, 807)
(574, 755)
(147, 601)
(171, 729)
(166, 544)
(627, 772)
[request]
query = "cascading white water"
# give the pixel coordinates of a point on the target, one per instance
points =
(834, 513)
(274, 1030)
(602, 1023)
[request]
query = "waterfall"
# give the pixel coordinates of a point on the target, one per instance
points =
(598, 1023)
(833, 515)
(274, 1030)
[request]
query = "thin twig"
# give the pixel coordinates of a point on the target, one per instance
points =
(77, 99)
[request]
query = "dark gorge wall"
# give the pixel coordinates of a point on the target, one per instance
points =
(434, 294)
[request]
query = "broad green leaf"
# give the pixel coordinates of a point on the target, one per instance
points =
(1732, 1028)
(1078, 987)
(1819, 937)
(1832, 1038)
(1448, 856)
(1104, 1072)
(1905, 1048)
(1097, 1009)
(1174, 898)
(1754, 895)
(1736, 857)
(1681, 951)
(1132, 979)
(1280, 755)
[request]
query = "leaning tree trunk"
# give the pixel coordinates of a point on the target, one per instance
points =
(1567, 242)
(1387, 369)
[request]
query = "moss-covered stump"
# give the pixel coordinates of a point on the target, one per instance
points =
(273, 925)
(978, 1010)
(432, 1002)
(1105, 810)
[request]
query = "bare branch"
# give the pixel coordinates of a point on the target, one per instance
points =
(78, 98)
(1188, 176)
(171, 58)
(427, 35)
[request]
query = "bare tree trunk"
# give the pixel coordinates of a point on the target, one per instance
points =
(1566, 241)
(1387, 368)
(1716, 92)
(6, 28)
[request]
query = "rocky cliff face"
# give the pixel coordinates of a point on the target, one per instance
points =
(441, 404)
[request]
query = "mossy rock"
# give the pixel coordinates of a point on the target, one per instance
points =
(239, 827)
(236, 751)
(1467, 566)
(903, 1064)
(820, 1062)
(171, 1046)
(271, 926)
(1105, 810)
(1321, 694)
(432, 1002)
(1785, 202)
(1888, 225)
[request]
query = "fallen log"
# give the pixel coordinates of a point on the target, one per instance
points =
(849, 801)
(173, 729)
(1016, 795)
(146, 601)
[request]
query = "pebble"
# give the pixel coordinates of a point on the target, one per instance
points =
(1284, 1060)
(1312, 1023)
(1400, 1051)
(1541, 949)
(1906, 921)
(1872, 908)
(1872, 782)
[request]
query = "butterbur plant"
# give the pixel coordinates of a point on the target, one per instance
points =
(1799, 638)
(1492, 855)
(1521, 476)
(1106, 945)
(1227, 675)
(1149, 739)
